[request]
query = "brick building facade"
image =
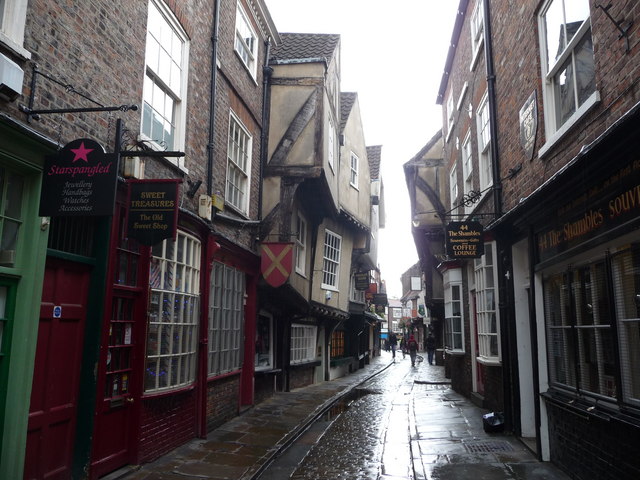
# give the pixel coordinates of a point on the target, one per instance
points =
(560, 220)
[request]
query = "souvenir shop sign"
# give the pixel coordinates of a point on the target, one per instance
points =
(80, 180)
(153, 210)
(362, 280)
(464, 240)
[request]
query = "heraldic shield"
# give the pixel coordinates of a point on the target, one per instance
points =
(276, 263)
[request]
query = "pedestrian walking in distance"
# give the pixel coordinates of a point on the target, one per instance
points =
(393, 341)
(412, 345)
(430, 343)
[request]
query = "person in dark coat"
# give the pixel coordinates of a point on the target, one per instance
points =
(393, 342)
(412, 346)
(430, 344)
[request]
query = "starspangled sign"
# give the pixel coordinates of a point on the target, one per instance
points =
(277, 262)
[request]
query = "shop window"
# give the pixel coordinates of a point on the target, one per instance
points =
(226, 319)
(165, 82)
(579, 319)
(626, 282)
(486, 302)
(453, 331)
(264, 342)
(337, 344)
(174, 311)
(303, 343)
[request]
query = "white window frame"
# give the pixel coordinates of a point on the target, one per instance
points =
(477, 33)
(12, 23)
(165, 88)
(453, 282)
(550, 68)
(467, 168)
(453, 186)
(331, 145)
(227, 292)
(264, 361)
(486, 285)
(355, 295)
(301, 245)
(246, 41)
(331, 260)
(303, 343)
(485, 173)
(451, 117)
(239, 152)
(174, 314)
(355, 167)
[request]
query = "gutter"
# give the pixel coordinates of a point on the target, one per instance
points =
(212, 99)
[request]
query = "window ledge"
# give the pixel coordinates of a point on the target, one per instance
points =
(489, 362)
(454, 353)
(267, 371)
(14, 48)
(313, 363)
(592, 101)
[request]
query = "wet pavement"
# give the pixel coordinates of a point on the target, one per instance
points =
(396, 422)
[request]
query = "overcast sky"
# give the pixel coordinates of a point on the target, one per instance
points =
(393, 55)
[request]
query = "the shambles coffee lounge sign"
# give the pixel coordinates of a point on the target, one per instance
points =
(464, 240)
(80, 180)
(153, 210)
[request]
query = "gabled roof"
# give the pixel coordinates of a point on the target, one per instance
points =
(347, 100)
(304, 47)
(374, 156)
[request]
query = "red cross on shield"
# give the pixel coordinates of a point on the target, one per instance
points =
(276, 263)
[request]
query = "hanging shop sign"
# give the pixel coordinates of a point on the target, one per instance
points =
(80, 180)
(276, 262)
(362, 280)
(153, 210)
(529, 125)
(380, 299)
(464, 240)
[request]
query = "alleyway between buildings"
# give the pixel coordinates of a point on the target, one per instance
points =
(406, 423)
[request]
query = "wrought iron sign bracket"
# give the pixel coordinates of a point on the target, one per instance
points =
(624, 32)
(35, 114)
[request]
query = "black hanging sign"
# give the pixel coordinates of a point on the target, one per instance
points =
(80, 180)
(529, 125)
(464, 240)
(362, 280)
(153, 210)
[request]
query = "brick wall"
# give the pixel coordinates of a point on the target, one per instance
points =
(166, 423)
(222, 401)
(589, 447)
(300, 377)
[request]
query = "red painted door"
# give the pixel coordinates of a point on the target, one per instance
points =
(54, 395)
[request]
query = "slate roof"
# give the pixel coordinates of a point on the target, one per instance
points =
(374, 156)
(347, 99)
(304, 46)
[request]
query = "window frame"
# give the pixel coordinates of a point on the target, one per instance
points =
(331, 147)
(264, 317)
(331, 256)
(13, 19)
(354, 170)
(240, 45)
(487, 296)
(174, 277)
(226, 318)
(483, 120)
(301, 245)
(303, 346)
(550, 68)
(155, 81)
(453, 279)
(453, 186)
(243, 187)
(476, 26)
(467, 168)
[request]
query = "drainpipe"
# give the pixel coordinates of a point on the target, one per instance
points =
(267, 71)
(212, 99)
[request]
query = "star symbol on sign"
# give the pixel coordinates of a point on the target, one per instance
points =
(81, 153)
